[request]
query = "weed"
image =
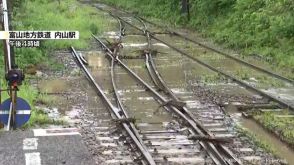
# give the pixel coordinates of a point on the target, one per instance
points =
(282, 126)
(259, 143)
(211, 78)
(43, 15)
(38, 117)
(45, 99)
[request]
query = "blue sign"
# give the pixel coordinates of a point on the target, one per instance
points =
(23, 112)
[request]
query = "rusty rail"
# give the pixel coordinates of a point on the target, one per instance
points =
(196, 126)
(115, 110)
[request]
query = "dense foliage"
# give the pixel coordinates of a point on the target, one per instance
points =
(264, 27)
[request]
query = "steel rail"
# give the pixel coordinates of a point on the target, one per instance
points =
(209, 146)
(119, 102)
(240, 82)
(210, 48)
(276, 75)
(152, 74)
(122, 108)
(113, 109)
(169, 92)
(158, 79)
(161, 84)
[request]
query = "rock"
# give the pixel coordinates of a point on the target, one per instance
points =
(31, 69)
(75, 72)
(39, 73)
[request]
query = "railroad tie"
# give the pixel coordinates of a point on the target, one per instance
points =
(211, 139)
(125, 120)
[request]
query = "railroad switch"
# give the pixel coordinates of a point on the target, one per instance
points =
(14, 77)
(115, 46)
(150, 52)
(132, 57)
(123, 31)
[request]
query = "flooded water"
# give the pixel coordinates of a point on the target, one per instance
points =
(53, 86)
(95, 59)
(281, 149)
(250, 59)
(174, 69)
(272, 86)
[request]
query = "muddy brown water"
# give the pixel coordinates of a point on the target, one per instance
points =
(270, 85)
(59, 90)
(171, 65)
(138, 103)
(53, 86)
(281, 149)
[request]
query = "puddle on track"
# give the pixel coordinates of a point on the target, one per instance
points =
(53, 86)
(141, 104)
(250, 76)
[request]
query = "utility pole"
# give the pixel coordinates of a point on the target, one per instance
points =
(10, 13)
(5, 25)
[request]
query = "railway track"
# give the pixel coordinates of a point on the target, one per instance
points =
(189, 135)
(198, 43)
(126, 17)
(213, 152)
(156, 139)
(119, 113)
(172, 146)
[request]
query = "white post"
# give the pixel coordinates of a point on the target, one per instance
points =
(6, 28)
(9, 118)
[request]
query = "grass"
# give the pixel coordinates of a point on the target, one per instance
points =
(283, 127)
(69, 15)
(45, 99)
(212, 78)
(256, 141)
(261, 80)
(38, 117)
(50, 15)
(44, 15)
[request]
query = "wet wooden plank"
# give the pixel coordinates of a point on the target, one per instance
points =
(182, 160)
(175, 151)
(170, 143)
